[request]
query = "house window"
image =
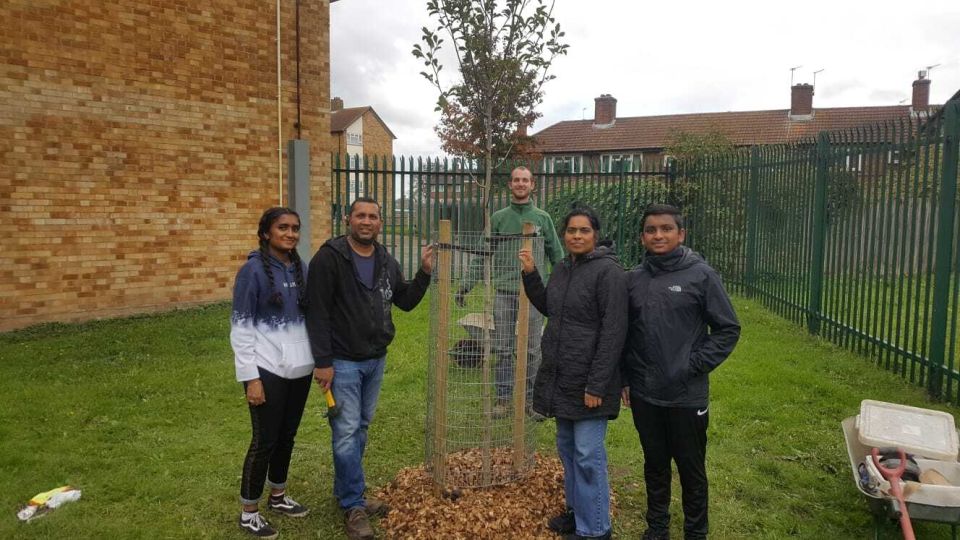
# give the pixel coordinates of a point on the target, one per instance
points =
(614, 162)
(855, 162)
(893, 157)
(668, 160)
(563, 164)
(355, 139)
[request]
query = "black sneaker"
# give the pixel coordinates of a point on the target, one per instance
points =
(287, 506)
(651, 534)
(257, 526)
(564, 523)
(574, 536)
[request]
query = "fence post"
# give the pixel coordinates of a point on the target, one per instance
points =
(336, 197)
(944, 250)
(822, 157)
(753, 211)
(621, 203)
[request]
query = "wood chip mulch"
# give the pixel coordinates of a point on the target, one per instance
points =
(517, 510)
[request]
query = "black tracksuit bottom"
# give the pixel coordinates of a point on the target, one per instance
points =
(275, 425)
(680, 434)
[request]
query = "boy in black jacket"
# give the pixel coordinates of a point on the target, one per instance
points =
(351, 285)
(682, 326)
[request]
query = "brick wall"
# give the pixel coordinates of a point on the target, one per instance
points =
(139, 147)
(377, 143)
(376, 140)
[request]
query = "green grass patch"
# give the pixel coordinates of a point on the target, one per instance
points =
(144, 415)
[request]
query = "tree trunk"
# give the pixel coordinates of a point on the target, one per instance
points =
(487, 301)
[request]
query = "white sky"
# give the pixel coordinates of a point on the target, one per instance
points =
(679, 56)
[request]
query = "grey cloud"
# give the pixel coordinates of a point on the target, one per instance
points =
(835, 89)
(891, 97)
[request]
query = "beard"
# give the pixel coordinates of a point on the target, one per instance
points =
(362, 241)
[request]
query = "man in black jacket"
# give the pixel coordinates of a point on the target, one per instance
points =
(352, 283)
(682, 326)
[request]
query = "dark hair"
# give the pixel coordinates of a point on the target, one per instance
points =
(364, 199)
(267, 220)
(660, 210)
(577, 209)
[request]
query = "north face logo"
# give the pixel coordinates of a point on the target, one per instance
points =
(675, 288)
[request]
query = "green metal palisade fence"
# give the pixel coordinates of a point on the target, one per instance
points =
(851, 234)
(417, 192)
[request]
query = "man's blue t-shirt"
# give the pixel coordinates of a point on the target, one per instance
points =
(364, 267)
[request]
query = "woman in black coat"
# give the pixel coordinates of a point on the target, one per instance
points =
(578, 382)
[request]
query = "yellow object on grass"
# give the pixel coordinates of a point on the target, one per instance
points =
(41, 498)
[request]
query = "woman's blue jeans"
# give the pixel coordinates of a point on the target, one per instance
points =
(580, 444)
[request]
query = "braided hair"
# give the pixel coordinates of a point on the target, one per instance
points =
(263, 231)
(298, 276)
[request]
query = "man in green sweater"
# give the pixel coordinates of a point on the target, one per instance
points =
(508, 223)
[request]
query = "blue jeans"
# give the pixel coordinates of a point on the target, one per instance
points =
(356, 387)
(580, 444)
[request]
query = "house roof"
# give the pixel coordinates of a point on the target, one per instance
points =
(344, 118)
(743, 128)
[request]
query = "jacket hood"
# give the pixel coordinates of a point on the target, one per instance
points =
(678, 259)
(342, 247)
(605, 250)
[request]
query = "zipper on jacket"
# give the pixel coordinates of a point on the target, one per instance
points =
(556, 349)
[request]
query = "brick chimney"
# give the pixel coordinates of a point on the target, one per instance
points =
(605, 110)
(801, 100)
(921, 93)
(336, 104)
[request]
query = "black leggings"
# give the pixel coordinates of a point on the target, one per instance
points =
(275, 424)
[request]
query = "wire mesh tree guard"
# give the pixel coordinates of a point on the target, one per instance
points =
(481, 428)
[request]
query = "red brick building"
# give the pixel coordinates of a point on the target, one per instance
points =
(359, 133)
(140, 142)
(639, 142)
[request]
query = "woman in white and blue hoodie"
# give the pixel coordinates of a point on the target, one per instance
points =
(273, 361)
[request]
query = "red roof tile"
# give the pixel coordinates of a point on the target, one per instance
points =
(743, 128)
(342, 119)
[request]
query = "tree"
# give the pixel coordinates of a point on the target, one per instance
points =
(687, 146)
(504, 50)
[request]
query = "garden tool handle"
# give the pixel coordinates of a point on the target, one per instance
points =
(887, 472)
(893, 475)
(331, 403)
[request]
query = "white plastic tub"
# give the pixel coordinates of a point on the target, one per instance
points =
(924, 432)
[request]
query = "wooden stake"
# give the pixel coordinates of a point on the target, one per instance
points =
(520, 369)
(444, 269)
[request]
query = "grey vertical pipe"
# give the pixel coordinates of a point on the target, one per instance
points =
(298, 190)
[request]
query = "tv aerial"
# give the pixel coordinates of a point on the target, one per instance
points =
(791, 73)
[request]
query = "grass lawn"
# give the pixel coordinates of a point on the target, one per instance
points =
(143, 415)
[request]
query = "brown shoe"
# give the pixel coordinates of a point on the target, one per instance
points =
(357, 525)
(376, 507)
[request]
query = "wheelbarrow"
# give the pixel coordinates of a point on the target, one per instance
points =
(468, 352)
(940, 504)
